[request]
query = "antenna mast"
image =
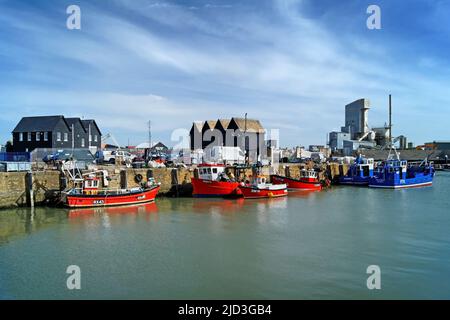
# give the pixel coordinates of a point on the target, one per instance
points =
(149, 134)
(390, 119)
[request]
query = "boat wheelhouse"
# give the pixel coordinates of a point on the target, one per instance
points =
(213, 181)
(359, 172)
(309, 180)
(395, 173)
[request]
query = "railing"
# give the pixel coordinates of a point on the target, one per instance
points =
(106, 192)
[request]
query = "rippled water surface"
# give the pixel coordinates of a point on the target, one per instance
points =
(307, 246)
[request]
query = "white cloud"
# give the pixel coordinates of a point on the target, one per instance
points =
(291, 72)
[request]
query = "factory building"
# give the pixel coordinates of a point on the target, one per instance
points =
(357, 119)
(357, 134)
(336, 140)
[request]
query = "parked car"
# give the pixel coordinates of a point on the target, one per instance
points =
(52, 157)
(107, 156)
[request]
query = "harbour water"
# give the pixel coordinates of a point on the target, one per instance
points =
(307, 246)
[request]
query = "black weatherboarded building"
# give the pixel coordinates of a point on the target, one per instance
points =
(55, 132)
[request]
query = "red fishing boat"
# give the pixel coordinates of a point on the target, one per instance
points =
(308, 180)
(261, 189)
(90, 195)
(213, 181)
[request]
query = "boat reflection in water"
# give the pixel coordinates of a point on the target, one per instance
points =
(221, 206)
(122, 210)
(234, 206)
(303, 193)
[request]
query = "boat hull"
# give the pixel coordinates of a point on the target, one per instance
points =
(296, 184)
(421, 181)
(250, 192)
(211, 189)
(401, 186)
(131, 198)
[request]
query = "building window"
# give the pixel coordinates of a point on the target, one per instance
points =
(45, 136)
(66, 136)
(90, 138)
(95, 138)
(38, 136)
(58, 136)
(82, 143)
(21, 137)
(29, 136)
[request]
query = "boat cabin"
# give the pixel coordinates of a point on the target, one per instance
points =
(91, 185)
(308, 175)
(363, 167)
(212, 172)
(393, 168)
(260, 180)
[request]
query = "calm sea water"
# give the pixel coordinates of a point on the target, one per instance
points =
(307, 246)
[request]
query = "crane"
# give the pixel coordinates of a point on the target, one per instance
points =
(110, 136)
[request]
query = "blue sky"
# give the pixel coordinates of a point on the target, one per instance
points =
(293, 64)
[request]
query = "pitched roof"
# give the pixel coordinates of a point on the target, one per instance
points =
(211, 123)
(159, 145)
(72, 121)
(198, 125)
(37, 124)
(88, 122)
(251, 125)
(224, 123)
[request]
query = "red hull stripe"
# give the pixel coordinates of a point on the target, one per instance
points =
(85, 201)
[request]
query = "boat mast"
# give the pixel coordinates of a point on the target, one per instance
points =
(390, 143)
(390, 119)
(245, 141)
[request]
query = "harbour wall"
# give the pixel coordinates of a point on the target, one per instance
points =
(15, 186)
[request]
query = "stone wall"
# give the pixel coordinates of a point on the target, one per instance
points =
(13, 187)
(45, 183)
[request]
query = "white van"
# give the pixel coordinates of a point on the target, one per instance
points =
(225, 155)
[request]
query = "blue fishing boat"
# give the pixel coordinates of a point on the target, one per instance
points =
(395, 173)
(359, 172)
